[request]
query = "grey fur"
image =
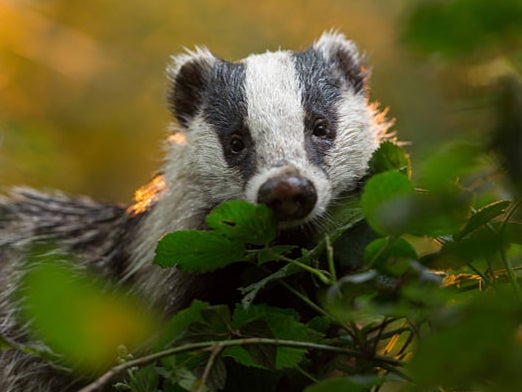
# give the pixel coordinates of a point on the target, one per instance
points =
(273, 99)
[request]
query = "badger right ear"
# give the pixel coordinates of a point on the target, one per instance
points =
(189, 74)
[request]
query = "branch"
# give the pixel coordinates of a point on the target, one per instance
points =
(215, 352)
(104, 379)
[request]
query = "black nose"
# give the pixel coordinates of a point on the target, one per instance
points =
(290, 197)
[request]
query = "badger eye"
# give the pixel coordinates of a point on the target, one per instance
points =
(320, 129)
(236, 144)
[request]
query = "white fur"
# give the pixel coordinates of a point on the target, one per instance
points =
(276, 121)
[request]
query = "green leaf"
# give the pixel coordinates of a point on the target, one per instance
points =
(390, 156)
(180, 321)
(471, 345)
(245, 222)
(217, 377)
(197, 251)
(284, 324)
(385, 202)
(80, 317)
(216, 316)
(440, 172)
(145, 380)
(484, 216)
(464, 27)
(390, 257)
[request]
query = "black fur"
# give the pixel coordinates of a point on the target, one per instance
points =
(321, 91)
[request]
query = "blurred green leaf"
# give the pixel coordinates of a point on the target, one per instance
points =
(197, 251)
(440, 172)
(77, 317)
(471, 344)
(385, 202)
(463, 27)
(390, 257)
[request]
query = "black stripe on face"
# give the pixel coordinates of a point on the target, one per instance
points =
(225, 109)
(320, 94)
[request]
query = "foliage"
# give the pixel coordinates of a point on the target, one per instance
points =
(444, 316)
(416, 285)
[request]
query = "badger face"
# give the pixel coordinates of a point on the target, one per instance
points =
(292, 130)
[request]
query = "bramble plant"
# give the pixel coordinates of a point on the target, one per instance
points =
(433, 301)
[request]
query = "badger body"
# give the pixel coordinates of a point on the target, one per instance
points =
(292, 130)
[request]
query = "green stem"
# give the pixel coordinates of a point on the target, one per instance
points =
(306, 300)
(322, 277)
(330, 258)
(103, 380)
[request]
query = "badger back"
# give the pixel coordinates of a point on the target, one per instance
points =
(292, 130)
(88, 230)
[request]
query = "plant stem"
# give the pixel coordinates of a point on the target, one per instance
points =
(330, 258)
(322, 277)
(215, 352)
(104, 379)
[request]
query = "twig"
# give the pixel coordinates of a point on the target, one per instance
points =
(215, 352)
(330, 258)
(104, 379)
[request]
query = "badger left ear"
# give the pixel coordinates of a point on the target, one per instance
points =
(189, 74)
(343, 55)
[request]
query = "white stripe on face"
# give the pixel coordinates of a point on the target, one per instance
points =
(275, 113)
(275, 118)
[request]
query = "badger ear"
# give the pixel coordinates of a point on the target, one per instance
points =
(343, 55)
(189, 74)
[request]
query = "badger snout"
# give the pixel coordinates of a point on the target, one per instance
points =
(291, 197)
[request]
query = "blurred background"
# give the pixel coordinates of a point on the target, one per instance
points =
(82, 84)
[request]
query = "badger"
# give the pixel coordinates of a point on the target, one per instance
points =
(291, 130)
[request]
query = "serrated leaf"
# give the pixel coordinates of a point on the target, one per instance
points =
(245, 222)
(483, 216)
(197, 251)
(385, 202)
(255, 355)
(263, 355)
(180, 321)
(390, 156)
(217, 316)
(284, 324)
(241, 356)
(145, 380)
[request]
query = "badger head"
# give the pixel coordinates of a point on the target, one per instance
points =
(292, 130)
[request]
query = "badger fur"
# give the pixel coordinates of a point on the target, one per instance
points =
(292, 130)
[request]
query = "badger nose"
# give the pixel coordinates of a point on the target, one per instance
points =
(290, 197)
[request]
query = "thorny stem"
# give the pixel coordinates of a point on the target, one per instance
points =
(103, 380)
